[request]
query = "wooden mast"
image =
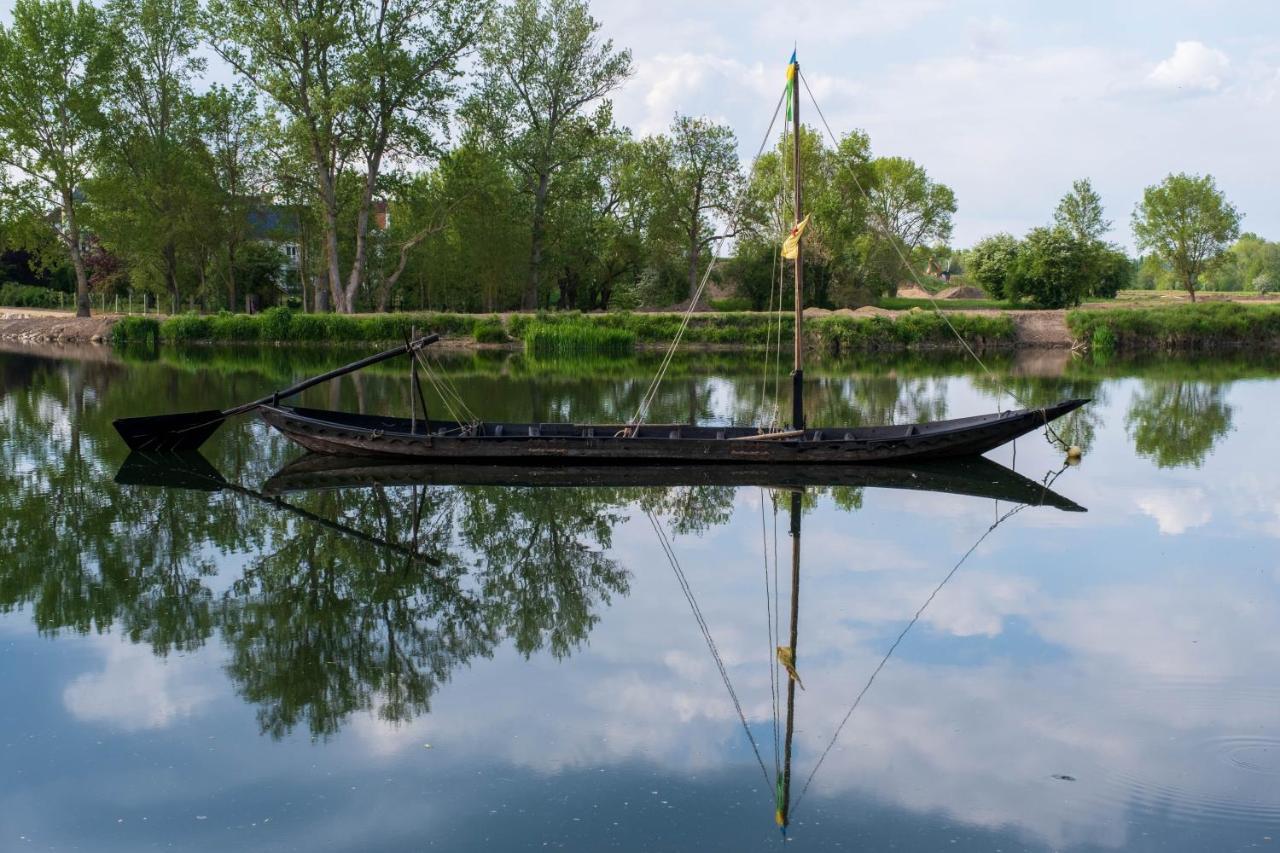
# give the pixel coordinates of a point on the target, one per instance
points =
(797, 373)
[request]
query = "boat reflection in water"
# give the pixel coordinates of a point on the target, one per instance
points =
(315, 641)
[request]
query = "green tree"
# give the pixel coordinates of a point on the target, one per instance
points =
(1051, 270)
(697, 180)
(542, 102)
(990, 262)
(358, 82)
(57, 64)
(236, 139)
(1080, 212)
(908, 205)
(1188, 223)
(150, 179)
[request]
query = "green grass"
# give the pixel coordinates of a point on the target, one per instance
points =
(1205, 326)
(915, 330)
(131, 331)
(730, 303)
(279, 325)
(559, 340)
(571, 332)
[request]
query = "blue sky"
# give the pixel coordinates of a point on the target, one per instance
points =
(1007, 102)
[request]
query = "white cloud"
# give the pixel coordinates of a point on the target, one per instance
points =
(1176, 510)
(136, 690)
(1193, 67)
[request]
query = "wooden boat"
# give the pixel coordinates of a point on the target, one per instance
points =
(322, 431)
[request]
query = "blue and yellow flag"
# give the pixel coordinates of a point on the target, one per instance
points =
(791, 82)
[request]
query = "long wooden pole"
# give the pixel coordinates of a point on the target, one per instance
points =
(797, 373)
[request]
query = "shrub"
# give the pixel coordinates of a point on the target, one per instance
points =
(275, 323)
(990, 262)
(29, 296)
(186, 327)
(490, 331)
(731, 303)
(135, 330)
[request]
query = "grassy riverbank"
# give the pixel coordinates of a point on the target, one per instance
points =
(1207, 326)
(572, 332)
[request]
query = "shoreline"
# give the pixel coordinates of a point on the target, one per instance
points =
(1204, 326)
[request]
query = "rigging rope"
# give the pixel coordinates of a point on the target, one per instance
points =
(642, 411)
(1047, 483)
(669, 550)
(884, 227)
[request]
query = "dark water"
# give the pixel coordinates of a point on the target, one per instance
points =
(205, 669)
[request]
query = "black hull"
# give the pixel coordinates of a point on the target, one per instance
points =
(976, 477)
(342, 433)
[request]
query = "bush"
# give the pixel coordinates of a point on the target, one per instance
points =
(731, 303)
(990, 262)
(30, 296)
(1051, 269)
(490, 331)
(186, 327)
(276, 324)
(135, 330)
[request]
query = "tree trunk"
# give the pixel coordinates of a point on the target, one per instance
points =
(171, 274)
(535, 248)
(362, 238)
(231, 276)
(329, 199)
(71, 238)
(693, 265)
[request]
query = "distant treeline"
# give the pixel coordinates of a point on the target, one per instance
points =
(352, 166)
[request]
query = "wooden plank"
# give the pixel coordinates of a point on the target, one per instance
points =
(768, 436)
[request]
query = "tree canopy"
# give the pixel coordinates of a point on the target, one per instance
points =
(1187, 222)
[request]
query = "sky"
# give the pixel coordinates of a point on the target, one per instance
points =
(1007, 102)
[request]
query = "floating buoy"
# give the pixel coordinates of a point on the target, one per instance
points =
(1074, 453)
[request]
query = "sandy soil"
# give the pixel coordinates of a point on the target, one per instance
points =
(34, 324)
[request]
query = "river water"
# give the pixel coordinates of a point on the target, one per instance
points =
(238, 661)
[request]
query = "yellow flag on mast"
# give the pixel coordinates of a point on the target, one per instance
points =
(791, 245)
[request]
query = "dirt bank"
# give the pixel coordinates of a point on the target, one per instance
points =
(38, 326)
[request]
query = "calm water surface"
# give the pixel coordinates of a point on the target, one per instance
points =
(209, 669)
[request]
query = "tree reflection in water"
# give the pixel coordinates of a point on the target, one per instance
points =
(322, 625)
(1176, 424)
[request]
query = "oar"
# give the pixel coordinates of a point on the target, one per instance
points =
(188, 430)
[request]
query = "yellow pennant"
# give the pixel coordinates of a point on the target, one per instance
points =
(791, 245)
(788, 663)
